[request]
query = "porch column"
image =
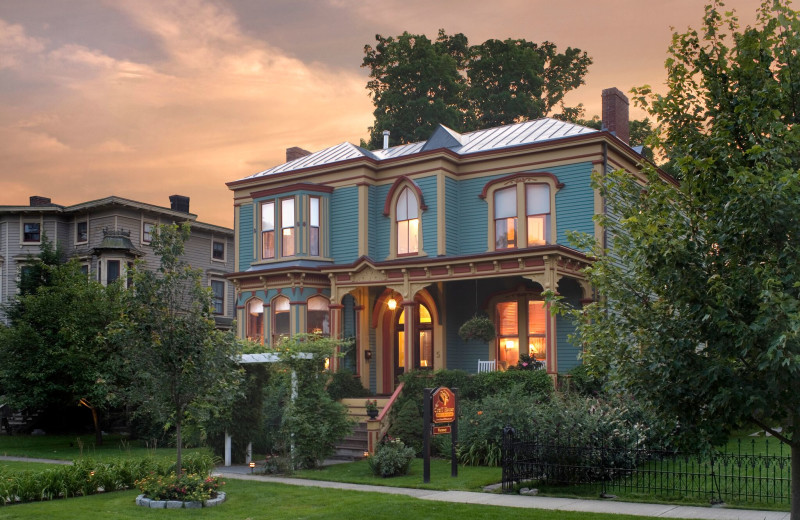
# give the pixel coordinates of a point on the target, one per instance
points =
(335, 332)
(410, 333)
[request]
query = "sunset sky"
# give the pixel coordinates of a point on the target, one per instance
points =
(147, 98)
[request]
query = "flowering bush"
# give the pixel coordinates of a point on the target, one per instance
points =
(371, 405)
(391, 459)
(187, 487)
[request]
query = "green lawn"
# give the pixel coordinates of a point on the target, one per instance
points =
(470, 478)
(69, 447)
(259, 500)
(10, 465)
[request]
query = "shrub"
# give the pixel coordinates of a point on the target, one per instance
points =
(481, 426)
(186, 487)
(536, 384)
(582, 382)
(345, 384)
(407, 423)
(392, 458)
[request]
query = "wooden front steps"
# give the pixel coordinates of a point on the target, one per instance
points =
(355, 445)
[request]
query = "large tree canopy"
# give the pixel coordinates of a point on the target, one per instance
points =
(418, 83)
(699, 295)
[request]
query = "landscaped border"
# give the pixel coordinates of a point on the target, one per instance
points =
(143, 501)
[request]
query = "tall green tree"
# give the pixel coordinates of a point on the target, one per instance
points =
(699, 309)
(54, 352)
(417, 84)
(180, 365)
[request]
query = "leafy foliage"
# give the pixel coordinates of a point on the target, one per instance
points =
(179, 363)
(417, 84)
(345, 384)
(312, 420)
(391, 459)
(701, 288)
(479, 328)
(54, 353)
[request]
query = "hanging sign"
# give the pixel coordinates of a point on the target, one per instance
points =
(444, 405)
(441, 430)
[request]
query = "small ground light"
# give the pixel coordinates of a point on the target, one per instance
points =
(252, 467)
(366, 454)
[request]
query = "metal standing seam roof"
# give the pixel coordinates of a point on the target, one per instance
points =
(528, 132)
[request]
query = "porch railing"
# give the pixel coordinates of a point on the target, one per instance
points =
(377, 428)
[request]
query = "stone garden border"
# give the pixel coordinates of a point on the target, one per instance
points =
(143, 501)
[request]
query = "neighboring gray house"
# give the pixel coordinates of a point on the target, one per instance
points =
(106, 236)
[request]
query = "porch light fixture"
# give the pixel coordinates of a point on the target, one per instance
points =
(368, 354)
(392, 304)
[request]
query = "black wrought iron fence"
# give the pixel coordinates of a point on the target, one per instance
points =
(749, 473)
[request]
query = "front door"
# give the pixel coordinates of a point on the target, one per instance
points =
(423, 343)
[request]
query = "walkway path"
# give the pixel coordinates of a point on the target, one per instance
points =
(497, 499)
(524, 501)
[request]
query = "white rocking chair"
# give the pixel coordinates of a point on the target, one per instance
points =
(486, 366)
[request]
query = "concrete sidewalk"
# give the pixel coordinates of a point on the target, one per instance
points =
(522, 501)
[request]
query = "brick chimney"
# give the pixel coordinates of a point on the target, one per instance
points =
(295, 152)
(37, 200)
(615, 114)
(179, 203)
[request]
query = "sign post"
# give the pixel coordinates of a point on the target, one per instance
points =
(439, 417)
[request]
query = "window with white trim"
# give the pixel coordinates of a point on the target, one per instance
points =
(81, 231)
(147, 232)
(31, 232)
(407, 219)
(218, 250)
(218, 296)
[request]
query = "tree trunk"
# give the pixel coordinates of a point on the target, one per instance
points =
(179, 442)
(795, 476)
(98, 435)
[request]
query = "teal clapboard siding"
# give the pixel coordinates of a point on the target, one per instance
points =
(429, 230)
(379, 248)
(473, 217)
(246, 231)
(344, 225)
(567, 352)
(451, 201)
(372, 220)
(575, 201)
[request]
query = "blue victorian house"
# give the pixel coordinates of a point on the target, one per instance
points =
(397, 248)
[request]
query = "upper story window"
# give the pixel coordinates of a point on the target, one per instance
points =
(313, 226)
(31, 232)
(268, 230)
(537, 209)
(292, 226)
(505, 218)
(521, 207)
(407, 217)
(81, 232)
(287, 227)
(218, 250)
(147, 232)
(218, 296)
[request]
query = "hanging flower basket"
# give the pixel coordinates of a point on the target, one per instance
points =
(478, 328)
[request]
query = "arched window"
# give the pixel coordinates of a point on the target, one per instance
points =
(318, 318)
(407, 216)
(255, 320)
(280, 319)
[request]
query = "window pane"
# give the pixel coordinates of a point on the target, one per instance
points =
(411, 208)
(255, 320)
(313, 210)
(537, 317)
(112, 270)
(280, 308)
(402, 237)
(537, 231)
(82, 234)
(402, 205)
(318, 318)
(218, 296)
(505, 233)
(268, 216)
(413, 235)
(537, 199)
(507, 318)
(509, 351)
(287, 213)
(31, 232)
(147, 233)
(268, 244)
(424, 314)
(287, 247)
(505, 203)
(425, 348)
(218, 251)
(313, 239)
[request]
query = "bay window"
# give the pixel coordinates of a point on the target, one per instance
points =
(280, 319)
(287, 227)
(254, 318)
(268, 230)
(318, 318)
(313, 226)
(524, 317)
